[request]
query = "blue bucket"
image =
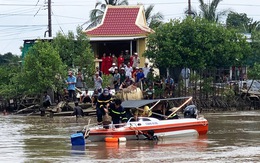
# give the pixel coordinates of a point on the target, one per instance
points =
(77, 139)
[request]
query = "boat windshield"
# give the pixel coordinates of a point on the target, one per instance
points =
(141, 119)
(146, 119)
(132, 119)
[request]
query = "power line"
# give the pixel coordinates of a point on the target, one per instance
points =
(18, 25)
(69, 17)
(20, 14)
(59, 24)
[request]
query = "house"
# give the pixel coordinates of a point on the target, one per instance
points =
(123, 28)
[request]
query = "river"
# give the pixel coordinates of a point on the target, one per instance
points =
(232, 137)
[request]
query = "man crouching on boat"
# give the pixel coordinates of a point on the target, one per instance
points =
(117, 112)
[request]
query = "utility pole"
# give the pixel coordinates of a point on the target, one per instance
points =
(49, 18)
(189, 7)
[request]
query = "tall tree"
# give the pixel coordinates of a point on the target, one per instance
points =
(9, 58)
(8, 80)
(41, 69)
(197, 44)
(241, 22)
(253, 26)
(75, 51)
(209, 10)
(153, 19)
(10, 67)
(97, 13)
(255, 44)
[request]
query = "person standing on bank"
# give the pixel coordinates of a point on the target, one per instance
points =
(79, 80)
(45, 103)
(98, 82)
(117, 112)
(116, 80)
(120, 60)
(114, 59)
(136, 60)
(185, 74)
(146, 70)
(71, 81)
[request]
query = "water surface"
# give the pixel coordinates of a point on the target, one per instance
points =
(232, 137)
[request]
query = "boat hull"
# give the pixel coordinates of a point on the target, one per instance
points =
(162, 128)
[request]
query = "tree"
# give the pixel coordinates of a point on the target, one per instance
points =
(253, 26)
(197, 44)
(8, 84)
(75, 51)
(9, 58)
(42, 69)
(97, 13)
(64, 44)
(10, 67)
(83, 54)
(209, 11)
(241, 22)
(255, 44)
(153, 20)
(254, 72)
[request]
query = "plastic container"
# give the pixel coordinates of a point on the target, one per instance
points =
(115, 139)
(77, 139)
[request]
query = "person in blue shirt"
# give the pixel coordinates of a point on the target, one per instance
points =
(71, 81)
(140, 78)
(140, 75)
(169, 86)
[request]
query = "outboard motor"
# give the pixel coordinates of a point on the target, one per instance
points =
(190, 111)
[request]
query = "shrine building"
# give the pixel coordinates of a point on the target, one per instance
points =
(123, 29)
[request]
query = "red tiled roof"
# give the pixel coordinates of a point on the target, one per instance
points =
(119, 22)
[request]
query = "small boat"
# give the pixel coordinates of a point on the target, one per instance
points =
(138, 128)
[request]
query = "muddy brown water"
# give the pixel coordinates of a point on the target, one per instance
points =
(232, 137)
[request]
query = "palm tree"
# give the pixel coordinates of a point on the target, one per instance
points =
(153, 20)
(209, 11)
(97, 13)
(253, 26)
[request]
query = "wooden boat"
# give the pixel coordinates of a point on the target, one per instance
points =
(138, 128)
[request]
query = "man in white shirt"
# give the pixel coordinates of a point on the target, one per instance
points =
(128, 70)
(136, 60)
(185, 73)
(146, 69)
(112, 69)
(98, 82)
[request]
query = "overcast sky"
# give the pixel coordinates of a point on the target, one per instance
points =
(27, 19)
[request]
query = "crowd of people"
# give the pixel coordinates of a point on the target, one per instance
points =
(122, 77)
(124, 73)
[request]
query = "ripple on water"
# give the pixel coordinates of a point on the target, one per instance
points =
(232, 137)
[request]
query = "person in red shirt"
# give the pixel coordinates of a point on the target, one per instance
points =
(135, 70)
(131, 60)
(120, 60)
(103, 64)
(109, 63)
